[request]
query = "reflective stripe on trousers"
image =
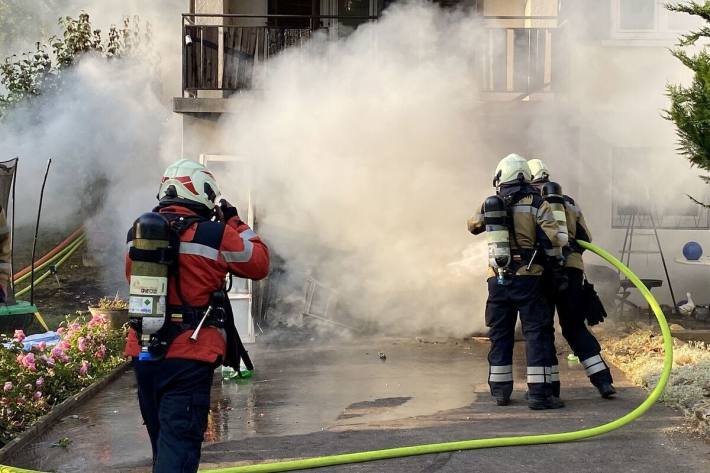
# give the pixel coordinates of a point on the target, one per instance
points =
(537, 374)
(500, 374)
(594, 364)
(553, 374)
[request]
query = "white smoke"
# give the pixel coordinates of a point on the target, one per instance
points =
(368, 163)
(368, 153)
(371, 152)
(108, 129)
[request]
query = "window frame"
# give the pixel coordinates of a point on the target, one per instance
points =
(661, 29)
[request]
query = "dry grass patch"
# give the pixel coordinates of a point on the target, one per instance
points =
(640, 356)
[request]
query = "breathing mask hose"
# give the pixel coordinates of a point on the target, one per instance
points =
(563, 437)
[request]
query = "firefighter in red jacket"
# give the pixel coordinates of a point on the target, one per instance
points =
(174, 388)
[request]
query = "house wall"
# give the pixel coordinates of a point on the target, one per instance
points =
(618, 90)
(200, 135)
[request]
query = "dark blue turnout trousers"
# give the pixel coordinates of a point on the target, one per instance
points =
(174, 398)
(574, 328)
(524, 294)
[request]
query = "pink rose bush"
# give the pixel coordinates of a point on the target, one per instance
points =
(34, 381)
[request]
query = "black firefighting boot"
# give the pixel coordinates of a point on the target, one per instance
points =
(606, 390)
(502, 401)
(540, 403)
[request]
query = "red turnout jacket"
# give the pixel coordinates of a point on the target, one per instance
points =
(208, 252)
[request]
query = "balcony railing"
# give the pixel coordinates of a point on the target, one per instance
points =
(519, 55)
(220, 50)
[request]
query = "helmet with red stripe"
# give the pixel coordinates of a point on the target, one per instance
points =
(187, 181)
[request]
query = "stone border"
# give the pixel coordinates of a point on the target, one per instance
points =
(45, 422)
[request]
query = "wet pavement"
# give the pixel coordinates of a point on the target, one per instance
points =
(320, 399)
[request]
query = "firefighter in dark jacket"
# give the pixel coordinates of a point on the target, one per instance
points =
(174, 390)
(530, 231)
(572, 320)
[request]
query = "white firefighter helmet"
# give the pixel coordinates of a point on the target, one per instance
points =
(187, 180)
(513, 168)
(539, 170)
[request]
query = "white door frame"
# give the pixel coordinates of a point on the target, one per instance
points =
(237, 297)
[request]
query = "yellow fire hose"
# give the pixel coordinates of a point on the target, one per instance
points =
(52, 260)
(359, 457)
(59, 260)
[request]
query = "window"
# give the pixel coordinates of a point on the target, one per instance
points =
(637, 14)
(305, 8)
(649, 20)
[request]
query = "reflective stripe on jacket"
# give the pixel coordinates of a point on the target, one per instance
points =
(533, 223)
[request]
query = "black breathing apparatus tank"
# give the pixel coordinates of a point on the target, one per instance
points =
(552, 193)
(495, 216)
(151, 257)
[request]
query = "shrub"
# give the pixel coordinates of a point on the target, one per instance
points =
(33, 381)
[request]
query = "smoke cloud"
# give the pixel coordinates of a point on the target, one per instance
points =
(369, 154)
(368, 160)
(109, 130)
(366, 155)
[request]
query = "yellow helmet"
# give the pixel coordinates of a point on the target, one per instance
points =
(539, 170)
(187, 181)
(511, 169)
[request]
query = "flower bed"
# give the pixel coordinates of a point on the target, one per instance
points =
(35, 380)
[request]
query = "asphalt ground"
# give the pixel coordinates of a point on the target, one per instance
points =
(321, 398)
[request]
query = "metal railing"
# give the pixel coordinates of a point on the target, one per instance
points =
(521, 55)
(220, 51)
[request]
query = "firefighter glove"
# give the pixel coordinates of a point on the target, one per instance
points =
(228, 210)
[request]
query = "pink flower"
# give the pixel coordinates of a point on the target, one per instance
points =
(20, 358)
(29, 362)
(74, 326)
(60, 331)
(58, 354)
(8, 386)
(81, 344)
(41, 346)
(49, 360)
(101, 352)
(19, 335)
(39, 382)
(98, 319)
(84, 367)
(37, 396)
(64, 345)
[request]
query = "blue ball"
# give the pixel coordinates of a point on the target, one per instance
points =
(692, 251)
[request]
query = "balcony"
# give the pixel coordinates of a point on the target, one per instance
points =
(520, 57)
(221, 52)
(517, 58)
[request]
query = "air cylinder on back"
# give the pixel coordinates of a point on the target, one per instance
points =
(552, 193)
(150, 262)
(497, 233)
